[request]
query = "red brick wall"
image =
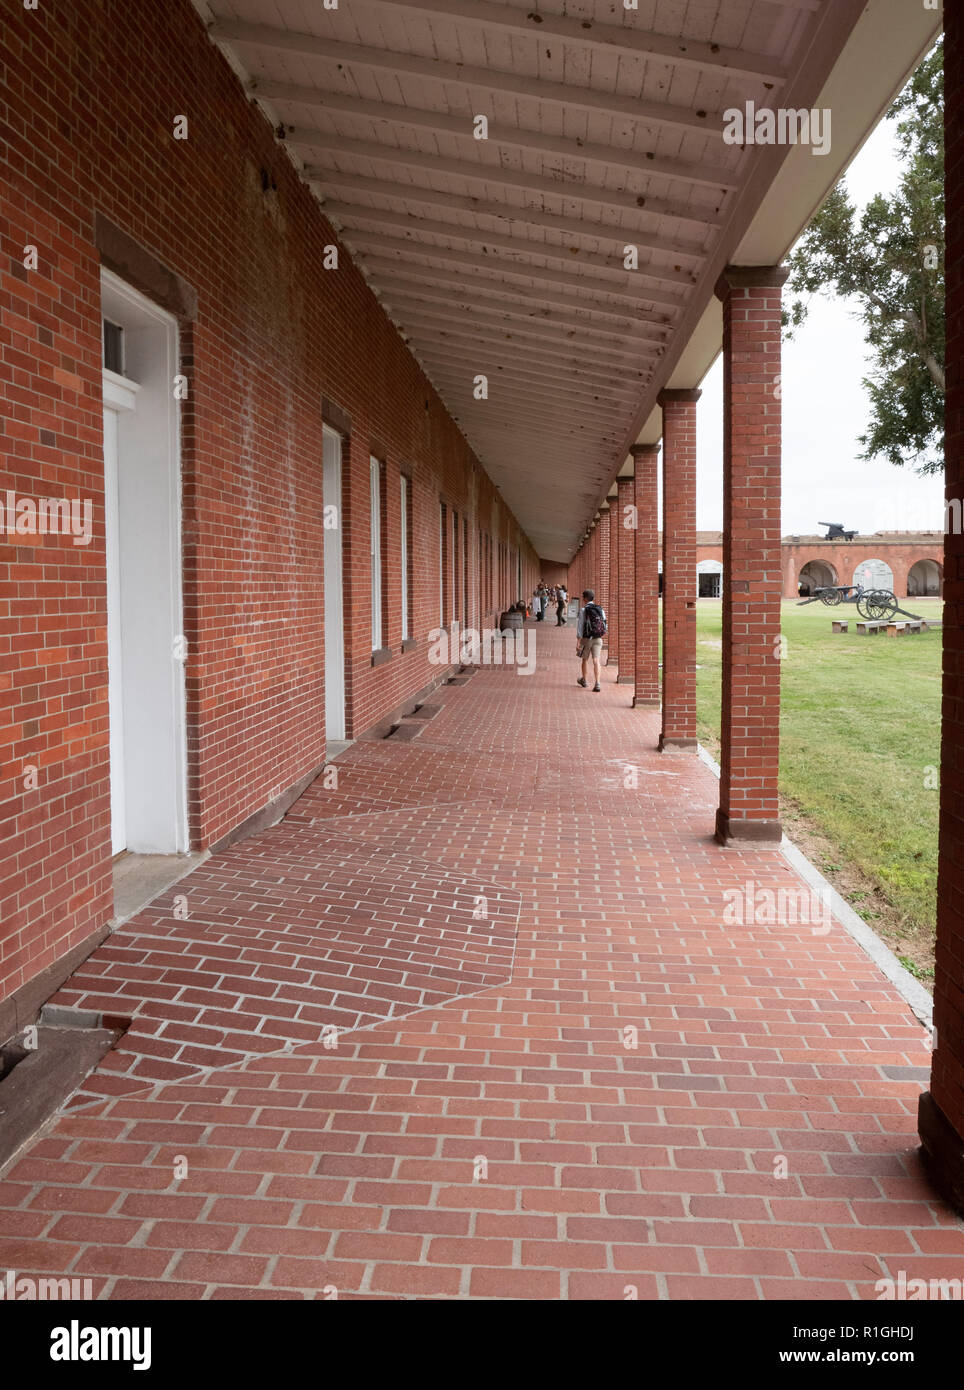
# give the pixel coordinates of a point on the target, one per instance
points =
(846, 558)
(947, 1081)
(679, 569)
(626, 630)
(91, 91)
(604, 593)
(750, 738)
(613, 609)
(553, 574)
(646, 576)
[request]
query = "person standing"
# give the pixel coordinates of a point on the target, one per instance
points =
(562, 601)
(590, 631)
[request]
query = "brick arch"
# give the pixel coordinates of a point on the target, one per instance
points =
(925, 560)
(820, 571)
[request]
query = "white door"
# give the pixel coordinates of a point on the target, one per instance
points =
(115, 670)
(334, 607)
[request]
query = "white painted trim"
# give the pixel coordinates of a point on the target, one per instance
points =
(113, 286)
(910, 989)
(120, 393)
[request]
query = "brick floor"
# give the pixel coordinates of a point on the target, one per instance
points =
(339, 1078)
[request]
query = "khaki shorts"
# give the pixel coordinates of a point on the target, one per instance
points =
(591, 647)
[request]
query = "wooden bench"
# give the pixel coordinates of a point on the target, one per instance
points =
(870, 629)
(840, 624)
(898, 629)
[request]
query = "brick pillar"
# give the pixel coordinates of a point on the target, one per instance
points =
(612, 612)
(624, 598)
(752, 559)
(941, 1109)
(604, 589)
(679, 570)
(646, 573)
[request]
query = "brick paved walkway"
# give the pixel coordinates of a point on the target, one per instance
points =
(645, 1096)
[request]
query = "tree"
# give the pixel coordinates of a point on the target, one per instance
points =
(891, 261)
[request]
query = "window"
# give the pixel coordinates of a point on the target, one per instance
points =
(113, 347)
(465, 571)
(443, 563)
(376, 561)
(406, 495)
(456, 567)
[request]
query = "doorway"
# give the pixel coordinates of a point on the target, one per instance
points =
(335, 727)
(146, 649)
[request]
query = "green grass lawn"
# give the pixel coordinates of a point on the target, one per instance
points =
(859, 750)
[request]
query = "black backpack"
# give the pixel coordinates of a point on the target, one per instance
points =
(594, 624)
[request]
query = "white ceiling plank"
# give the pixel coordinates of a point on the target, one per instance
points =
(612, 157)
(350, 214)
(349, 211)
(597, 282)
(610, 38)
(615, 355)
(495, 175)
(595, 345)
(390, 272)
(649, 113)
(476, 355)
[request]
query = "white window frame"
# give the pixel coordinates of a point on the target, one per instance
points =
(376, 548)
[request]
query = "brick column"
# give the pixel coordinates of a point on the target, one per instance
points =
(752, 560)
(646, 574)
(612, 612)
(624, 599)
(603, 591)
(941, 1110)
(679, 570)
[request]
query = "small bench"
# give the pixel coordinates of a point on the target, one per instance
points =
(870, 629)
(927, 624)
(840, 624)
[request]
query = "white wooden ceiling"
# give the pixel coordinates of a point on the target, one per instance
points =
(505, 256)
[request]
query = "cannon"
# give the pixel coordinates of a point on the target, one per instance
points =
(836, 532)
(876, 605)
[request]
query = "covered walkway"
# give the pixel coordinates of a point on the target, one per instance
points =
(477, 1022)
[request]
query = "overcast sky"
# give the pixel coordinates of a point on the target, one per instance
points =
(825, 409)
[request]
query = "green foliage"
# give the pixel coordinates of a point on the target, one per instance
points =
(890, 260)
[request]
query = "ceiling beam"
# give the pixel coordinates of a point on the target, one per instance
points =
(518, 403)
(540, 374)
(565, 357)
(598, 283)
(647, 113)
(473, 170)
(681, 51)
(611, 157)
(565, 331)
(348, 213)
(513, 404)
(451, 316)
(391, 272)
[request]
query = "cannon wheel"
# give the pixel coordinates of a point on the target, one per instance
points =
(878, 605)
(831, 597)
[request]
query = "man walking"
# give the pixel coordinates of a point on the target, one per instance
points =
(562, 601)
(590, 631)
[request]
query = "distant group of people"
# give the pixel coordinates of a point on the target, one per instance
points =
(547, 595)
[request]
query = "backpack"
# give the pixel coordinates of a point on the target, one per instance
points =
(594, 624)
